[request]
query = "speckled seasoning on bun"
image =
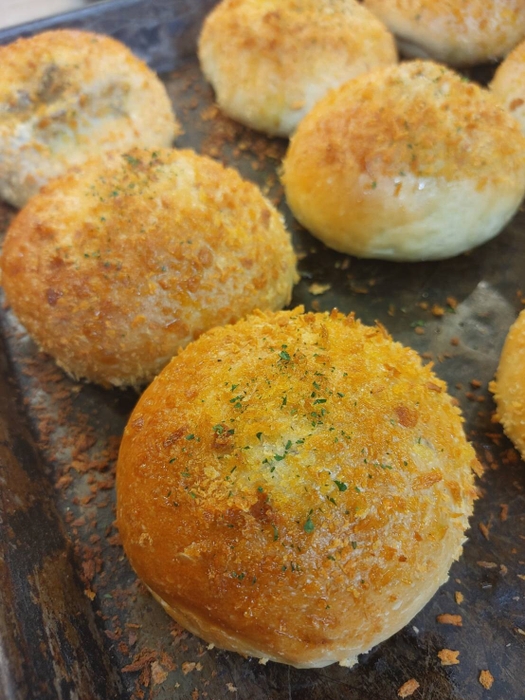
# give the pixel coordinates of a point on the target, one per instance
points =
(295, 487)
(269, 61)
(116, 265)
(457, 32)
(66, 94)
(408, 162)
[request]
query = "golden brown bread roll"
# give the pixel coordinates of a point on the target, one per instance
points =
(269, 61)
(126, 258)
(508, 84)
(409, 162)
(509, 385)
(294, 487)
(66, 94)
(457, 32)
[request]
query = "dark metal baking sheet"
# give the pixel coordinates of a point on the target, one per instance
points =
(75, 622)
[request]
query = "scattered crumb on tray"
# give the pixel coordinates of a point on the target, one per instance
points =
(448, 619)
(486, 679)
(408, 688)
(448, 657)
(317, 288)
(485, 530)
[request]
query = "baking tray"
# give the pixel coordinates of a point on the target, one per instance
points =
(74, 621)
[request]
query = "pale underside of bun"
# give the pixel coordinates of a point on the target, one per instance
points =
(67, 94)
(294, 487)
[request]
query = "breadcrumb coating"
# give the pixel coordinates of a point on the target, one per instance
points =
(64, 94)
(116, 265)
(295, 487)
(408, 162)
(269, 61)
(508, 387)
(508, 84)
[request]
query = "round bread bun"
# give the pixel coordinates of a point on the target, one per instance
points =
(508, 84)
(269, 61)
(509, 385)
(126, 258)
(294, 487)
(457, 32)
(408, 162)
(66, 94)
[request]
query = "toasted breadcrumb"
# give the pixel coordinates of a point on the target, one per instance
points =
(448, 619)
(408, 688)
(448, 657)
(485, 530)
(316, 288)
(486, 679)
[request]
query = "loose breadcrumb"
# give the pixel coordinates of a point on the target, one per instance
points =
(448, 657)
(408, 688)
(448, 619)
(316, 288)
(486, 679)
(188, 667)
(485, 530)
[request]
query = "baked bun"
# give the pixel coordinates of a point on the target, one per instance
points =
(508, 84)
(126, 258)
(457, 32)
(66, 94)
(509, 385)
(294, 487)
(269, 61)
(409, 162)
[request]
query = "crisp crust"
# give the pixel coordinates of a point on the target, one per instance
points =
(295, 487)
(407, 162)
(453, 31)
(509, 384)
(65, 94)
(269, 61)
(508, 84)
(126, 258)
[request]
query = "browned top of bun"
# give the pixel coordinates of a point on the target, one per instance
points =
(295, 486)
(117, 264)
(418, 117)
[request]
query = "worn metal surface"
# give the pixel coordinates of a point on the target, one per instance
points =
(74, 621)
